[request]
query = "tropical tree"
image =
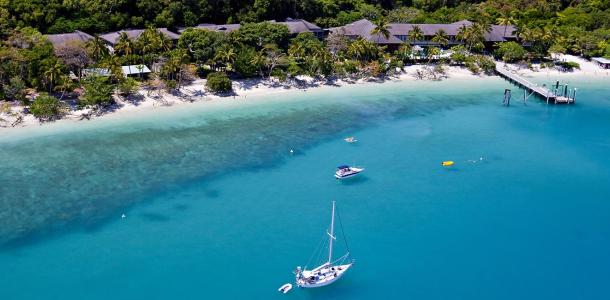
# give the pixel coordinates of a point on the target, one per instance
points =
(97, 49)
(416, 34)
(382, 29)
(506, 21)
(404, 52)
(441, 37)
(124, 44)
(432, 52)
(226, 55)
(52, 74)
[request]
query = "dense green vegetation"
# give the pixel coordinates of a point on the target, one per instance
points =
(29, 63)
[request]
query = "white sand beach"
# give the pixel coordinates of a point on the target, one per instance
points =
(195, 93)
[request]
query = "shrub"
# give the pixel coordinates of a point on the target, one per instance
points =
(243, 62)
(98, 92)
(46, 108)
(218, 83)
(486, 64)
(510, 52)
(127, 86)
(568, 65)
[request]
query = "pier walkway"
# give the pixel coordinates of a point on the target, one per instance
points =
(541, 91)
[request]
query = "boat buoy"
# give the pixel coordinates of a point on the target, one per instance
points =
(447, 163)
(285, 288)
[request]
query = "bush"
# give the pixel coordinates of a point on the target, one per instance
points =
(510, 52)
(218, 83)
(243, 62)
(46, 108)
(127, 86)
(568, 65)
(98, 92)
(486, 64)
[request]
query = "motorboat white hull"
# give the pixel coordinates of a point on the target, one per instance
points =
(347, 174)
(322, 276)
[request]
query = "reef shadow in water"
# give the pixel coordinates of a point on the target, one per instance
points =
(79, 182)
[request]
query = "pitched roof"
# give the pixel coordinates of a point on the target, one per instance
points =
(214, 27)
(296, 26)
(363, 28)
(113, 37)
(64, 38)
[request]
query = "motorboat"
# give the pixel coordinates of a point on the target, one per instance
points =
(346, 171)
(350, 139)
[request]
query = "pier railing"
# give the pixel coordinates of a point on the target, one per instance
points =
(540, 91)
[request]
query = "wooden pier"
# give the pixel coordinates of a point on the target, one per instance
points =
(558, 95)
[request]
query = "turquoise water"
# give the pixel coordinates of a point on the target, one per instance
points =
(218, 208)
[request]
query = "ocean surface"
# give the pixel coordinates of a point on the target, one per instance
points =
(217, 206)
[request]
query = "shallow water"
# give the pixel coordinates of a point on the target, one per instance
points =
(218, 207)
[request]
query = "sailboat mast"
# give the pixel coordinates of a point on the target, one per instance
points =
(332, 235)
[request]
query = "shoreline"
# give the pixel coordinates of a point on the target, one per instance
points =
(194, 94)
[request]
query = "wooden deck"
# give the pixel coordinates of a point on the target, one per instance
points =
(541, 91)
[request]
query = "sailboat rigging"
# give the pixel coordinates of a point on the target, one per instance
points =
(330, 271)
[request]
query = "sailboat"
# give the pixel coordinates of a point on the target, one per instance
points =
(330, 271)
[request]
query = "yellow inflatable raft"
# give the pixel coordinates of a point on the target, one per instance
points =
(447, 163)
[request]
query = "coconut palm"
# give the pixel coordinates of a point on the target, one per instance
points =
(124, 44)
(432, 52)
(441, 37)
(97, 48)
(52, 74)
(404, 52)
(382, 28)
(506, 21)
(226, 54)
(113, 64)
(416, 34)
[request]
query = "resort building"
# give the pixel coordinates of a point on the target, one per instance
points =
(295, 26)
(112, 38)
(59, 40)
(602, 62)
(399, 33)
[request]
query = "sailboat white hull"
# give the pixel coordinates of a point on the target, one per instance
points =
(321, 276)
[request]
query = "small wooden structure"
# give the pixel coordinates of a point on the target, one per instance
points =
(556, 95)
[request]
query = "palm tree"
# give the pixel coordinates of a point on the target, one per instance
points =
(226, 55)
(441, 37)
(113, 64)
(259, 61)
(506, 21)
(382, 28)
(52, 74)
(416, 34)
(124, 44)
(97, 48)
(432, 52)
(404, 52)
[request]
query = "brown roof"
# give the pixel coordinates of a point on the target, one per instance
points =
(113, 37)
(64, 38)
(364, 27)
(295, 26)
